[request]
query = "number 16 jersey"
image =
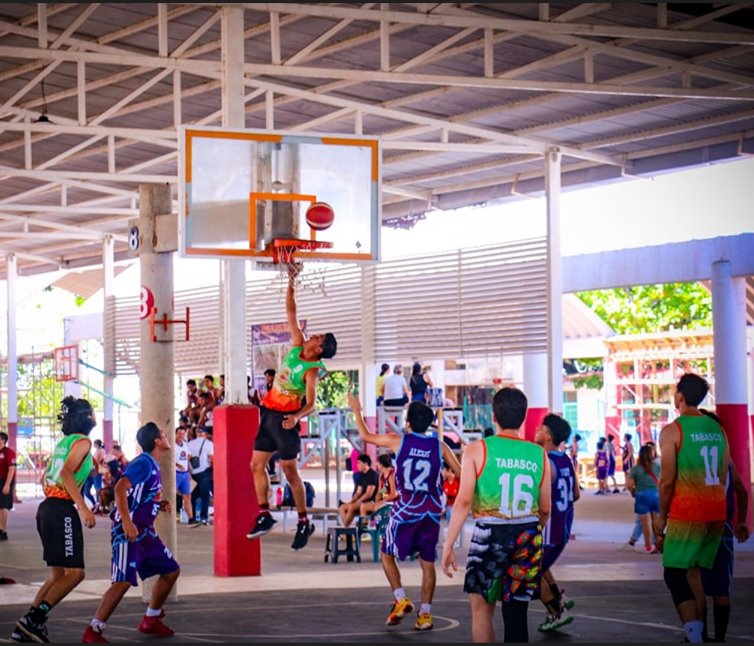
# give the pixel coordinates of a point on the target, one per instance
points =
(507, 489)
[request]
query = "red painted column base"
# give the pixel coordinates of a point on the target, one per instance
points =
(533, 421)
(236, 506)
(735, 419)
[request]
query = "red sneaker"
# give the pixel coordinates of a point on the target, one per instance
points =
(154, 626)
(91, 636)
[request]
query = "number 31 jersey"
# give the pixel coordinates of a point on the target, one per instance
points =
(699, 494)
(507, 489)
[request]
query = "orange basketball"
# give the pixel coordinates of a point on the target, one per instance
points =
(320, 216)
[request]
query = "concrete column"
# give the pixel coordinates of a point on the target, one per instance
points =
(108, 339)
(234, 271)
(236, 505)
(12, 272)
(370, 366)
(554, 283)
(729, 318)
(536, 389)
(157, 360)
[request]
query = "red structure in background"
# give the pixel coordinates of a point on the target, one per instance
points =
(236, 506)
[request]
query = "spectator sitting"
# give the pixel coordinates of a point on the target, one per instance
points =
(257, 394)
(386, 490)
(366, 490)
(192, 402)
(450, 486)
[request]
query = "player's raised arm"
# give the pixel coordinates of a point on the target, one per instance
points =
(297, 335)
(390, 441)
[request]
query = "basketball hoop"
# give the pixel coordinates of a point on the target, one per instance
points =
(66, 360)
(283, 252)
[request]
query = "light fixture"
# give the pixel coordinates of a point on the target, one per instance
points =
(43, 118)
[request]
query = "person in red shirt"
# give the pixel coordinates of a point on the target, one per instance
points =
(450, 486)
(7, 475)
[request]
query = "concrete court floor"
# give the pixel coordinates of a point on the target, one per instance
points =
(620, 596)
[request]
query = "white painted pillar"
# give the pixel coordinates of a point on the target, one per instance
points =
(729, 339)
(554, 283)
(536, 368)
(369, 369)
(234, 271)
(12, 275)
(108, 339)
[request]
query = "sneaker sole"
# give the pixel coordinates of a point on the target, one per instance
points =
(422, 628)
(252, 535)
(560, 624)
(30, 637)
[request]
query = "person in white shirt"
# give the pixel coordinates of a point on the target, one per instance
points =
(182, 477)
(201, 452)
(396, 388)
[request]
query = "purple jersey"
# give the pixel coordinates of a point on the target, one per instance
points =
(602, 460)
(143, 473)
(418, 478)
(558, 528)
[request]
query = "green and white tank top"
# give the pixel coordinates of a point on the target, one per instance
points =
(53, 483)
(507, 489)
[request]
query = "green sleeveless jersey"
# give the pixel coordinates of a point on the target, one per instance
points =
(507, 488)
(699, 493)
(289, 389)
(53, 483)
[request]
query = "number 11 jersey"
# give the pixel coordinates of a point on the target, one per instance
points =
(699, 494)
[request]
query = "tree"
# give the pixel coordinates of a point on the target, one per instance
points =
(652, 308)
(642, 309)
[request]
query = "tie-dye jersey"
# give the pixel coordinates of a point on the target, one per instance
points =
(507, 489)
(289, 388)
(143, 473)
(418, 478)
(699, 493)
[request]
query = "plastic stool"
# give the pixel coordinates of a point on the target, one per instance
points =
(332, 545)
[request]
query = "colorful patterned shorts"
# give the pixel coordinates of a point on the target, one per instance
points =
(504, 561)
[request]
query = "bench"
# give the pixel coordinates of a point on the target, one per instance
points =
(315, 513)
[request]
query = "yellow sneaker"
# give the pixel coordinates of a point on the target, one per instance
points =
(399, 610)
(423, 621)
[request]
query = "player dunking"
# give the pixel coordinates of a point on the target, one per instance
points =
(565, 491)
(414, 524)
(136, 547)
(292, 397)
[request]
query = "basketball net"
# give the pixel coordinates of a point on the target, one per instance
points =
(291, 271)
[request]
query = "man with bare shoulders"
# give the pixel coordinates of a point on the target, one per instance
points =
(689, 528)
(292, 397)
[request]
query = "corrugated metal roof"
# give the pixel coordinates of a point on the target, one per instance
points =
(618, 88)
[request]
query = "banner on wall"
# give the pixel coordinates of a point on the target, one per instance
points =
(269, 344)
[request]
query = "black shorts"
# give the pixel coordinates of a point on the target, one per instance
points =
(59, 527)
(6, 500)
(273, 437)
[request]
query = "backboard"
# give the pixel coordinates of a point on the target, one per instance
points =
(241, 189)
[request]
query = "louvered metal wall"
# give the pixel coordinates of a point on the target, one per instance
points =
(474, 302)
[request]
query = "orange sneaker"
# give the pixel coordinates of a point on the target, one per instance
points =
(399, 610)
(154, 626)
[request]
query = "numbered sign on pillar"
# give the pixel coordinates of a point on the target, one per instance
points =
(146, 302)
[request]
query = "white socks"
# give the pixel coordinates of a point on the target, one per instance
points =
(98, 626)
(426, 609)
(694, 631)
(400, 594)
(153, 613)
